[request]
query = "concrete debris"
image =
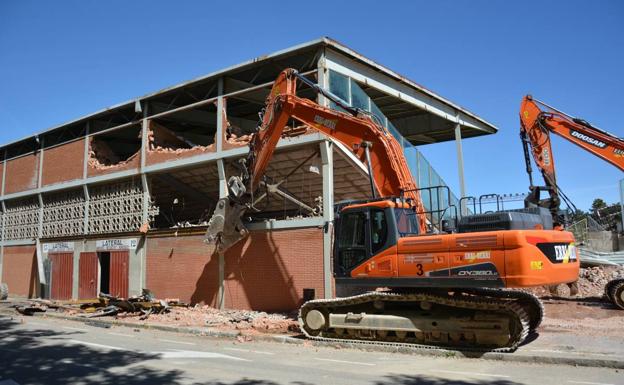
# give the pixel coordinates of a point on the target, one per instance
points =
(143, 305)
(591, 283)
(163, 140)
(244, 320)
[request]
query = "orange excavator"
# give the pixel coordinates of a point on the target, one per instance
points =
(537, 121)
(432, 286)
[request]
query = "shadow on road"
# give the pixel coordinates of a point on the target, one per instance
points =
(26, 358)
(29, 356)
(387, 380)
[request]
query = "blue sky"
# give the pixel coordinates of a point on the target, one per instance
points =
(61, 60)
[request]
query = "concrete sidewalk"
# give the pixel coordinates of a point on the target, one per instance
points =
(547, 348)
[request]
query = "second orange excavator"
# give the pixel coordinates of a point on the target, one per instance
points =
(433, 285)
(537, 121)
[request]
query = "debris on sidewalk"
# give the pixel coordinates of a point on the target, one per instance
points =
(144, 305)
(591, 283)
(146, 308)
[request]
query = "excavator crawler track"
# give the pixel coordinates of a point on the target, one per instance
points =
(614, 290)
(419, 319)
(530, 302)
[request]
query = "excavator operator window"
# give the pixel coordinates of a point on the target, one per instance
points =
(407, 222)
(352, 248)
(379, 230)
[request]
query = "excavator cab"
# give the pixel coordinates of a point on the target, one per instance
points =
(367, 229)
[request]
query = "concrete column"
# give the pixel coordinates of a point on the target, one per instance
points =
(327, 160)
(141, 251)
(4, 167)
(85, 188)
(220, 104)
(223, 192)
(323, 80)
(460, 164)
(2, 233)
(85, 160)
(79, 246)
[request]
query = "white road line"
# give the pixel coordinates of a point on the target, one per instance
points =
(78, 329)
(261, 352)
(470, 373)
(250, 351)
(8, 339)
(121, 335)
(588, 383)
(563, 352)
(177, 342)
(96, 345)
(345, 362)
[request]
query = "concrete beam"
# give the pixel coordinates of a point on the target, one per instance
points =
(286, 224)
(223, 192)
(327, 159)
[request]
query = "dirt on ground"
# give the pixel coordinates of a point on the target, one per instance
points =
(206, 316)
(587, 311)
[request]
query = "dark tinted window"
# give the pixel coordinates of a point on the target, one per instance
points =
(379, 230)
(352, 240)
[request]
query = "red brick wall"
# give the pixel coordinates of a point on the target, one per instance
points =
(182, 267)
(63, 163)
(1, 172)
(270, 269)
(21, 174)
(19, 270)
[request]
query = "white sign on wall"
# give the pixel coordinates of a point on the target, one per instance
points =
(56, 247)
(117, 244)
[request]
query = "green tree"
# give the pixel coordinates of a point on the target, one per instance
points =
(598, 204)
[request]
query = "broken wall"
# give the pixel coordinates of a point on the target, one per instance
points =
(166, 145)
(105, 159)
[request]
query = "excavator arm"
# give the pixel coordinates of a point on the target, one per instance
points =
(355, 129)
(537, 121)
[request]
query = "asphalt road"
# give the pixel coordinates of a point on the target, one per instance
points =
(50, 351)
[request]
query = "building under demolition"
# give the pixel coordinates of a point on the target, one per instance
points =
(119, 200)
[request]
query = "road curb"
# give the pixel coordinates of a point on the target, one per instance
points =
(517, 356)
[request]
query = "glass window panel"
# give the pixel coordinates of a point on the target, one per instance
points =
(339, 85)
(359, 98)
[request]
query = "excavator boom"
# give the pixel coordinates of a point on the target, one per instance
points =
(355, 129)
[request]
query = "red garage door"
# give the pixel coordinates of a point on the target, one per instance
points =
(62, 275)
(88, 276)
(119, 273)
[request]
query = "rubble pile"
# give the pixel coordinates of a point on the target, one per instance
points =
(145, 308)
(206, 316)
(592, 280)
(164, 140)
(591, 283)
